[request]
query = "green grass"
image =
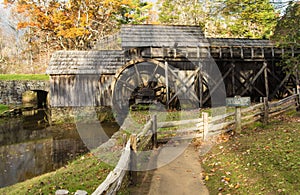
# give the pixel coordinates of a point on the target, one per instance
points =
(3, 108)
(24, 77)
(262, 160)
(85, 173)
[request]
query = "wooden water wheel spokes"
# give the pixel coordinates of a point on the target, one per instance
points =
(141, 81)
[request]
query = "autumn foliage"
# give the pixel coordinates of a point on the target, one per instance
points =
(75, 24)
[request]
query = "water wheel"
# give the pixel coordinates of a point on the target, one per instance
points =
(142, 82)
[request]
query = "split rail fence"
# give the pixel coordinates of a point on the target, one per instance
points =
(202, 127)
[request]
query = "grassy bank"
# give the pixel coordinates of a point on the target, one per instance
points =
(85, 173)
(3, 108)
(262, 160)
(24, 77)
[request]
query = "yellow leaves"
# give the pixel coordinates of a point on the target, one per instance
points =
(206, 178)
(73, 32)
(26, 24)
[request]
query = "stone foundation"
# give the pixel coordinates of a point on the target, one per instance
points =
(69, 114)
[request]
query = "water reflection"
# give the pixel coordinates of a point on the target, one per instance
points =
(29, 148)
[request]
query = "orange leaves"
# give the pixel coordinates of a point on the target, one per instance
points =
(73, 32)
(27, 24)
(67, 23)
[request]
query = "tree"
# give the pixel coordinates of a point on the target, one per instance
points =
(223, 18)
(181, 12)
(138, 12)
(76, 24)
(287, 30)
(287, 34)
(50, 25)
(247, 18)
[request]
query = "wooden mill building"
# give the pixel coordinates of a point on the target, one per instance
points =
(172, 65)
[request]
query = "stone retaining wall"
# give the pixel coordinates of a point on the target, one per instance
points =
(11, 91)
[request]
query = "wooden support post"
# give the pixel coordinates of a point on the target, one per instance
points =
(266, 111)
(167, 82)
(238, 122)
(233, 78)
(133, 159)
(205, 125)
(242, 53)
(266, 78)
(154, 131)
(200, 82)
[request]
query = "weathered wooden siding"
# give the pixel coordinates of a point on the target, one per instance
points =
(80, 90)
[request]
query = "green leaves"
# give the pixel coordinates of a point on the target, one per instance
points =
(248, 19)
(222, 18)
(287, 30)
(182, 12)
(287, 34)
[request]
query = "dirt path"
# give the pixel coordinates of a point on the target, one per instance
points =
(182, 176)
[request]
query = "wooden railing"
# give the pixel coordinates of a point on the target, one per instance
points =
(127, 161)
(200, 127)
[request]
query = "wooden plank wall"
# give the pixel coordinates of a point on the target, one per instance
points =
(80, 90)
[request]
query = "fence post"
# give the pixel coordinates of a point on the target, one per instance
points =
(133, 159)
(296, 99)
(298, 88)
(266, 111)
(124, 139)
(238, 122)
(154, 131)
(205, 125)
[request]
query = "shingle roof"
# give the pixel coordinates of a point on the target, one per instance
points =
(223, 42)
(160, 36)
(132, 36)
(85, 62)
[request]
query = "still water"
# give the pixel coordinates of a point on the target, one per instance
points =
(29, 147)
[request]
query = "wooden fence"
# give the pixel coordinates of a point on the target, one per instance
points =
(127, 161)
(153, 132)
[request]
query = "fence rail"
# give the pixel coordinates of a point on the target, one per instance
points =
(200, 127)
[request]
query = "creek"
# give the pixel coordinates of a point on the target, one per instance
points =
(30, 147)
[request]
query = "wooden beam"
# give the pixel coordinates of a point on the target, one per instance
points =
(139, 77)
(242, 53)
(183, 85)
(167, 82)
(232, 78)
(281, 83)
(266, 79)
(262, 52)
(218, 83)
(254, 79)
(200, 82)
